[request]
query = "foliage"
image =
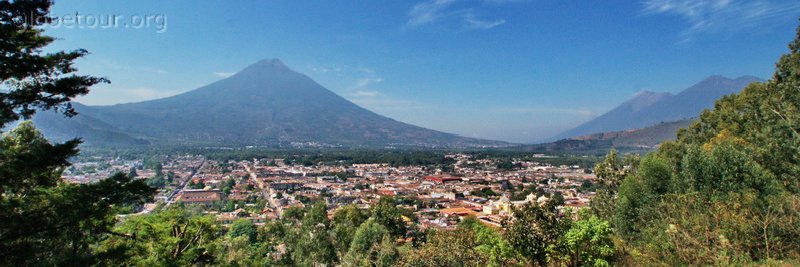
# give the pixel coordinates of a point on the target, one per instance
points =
(484, 192)
(172, 237)
(244, 228)
(447, 248)
(43, 220)
(587, 242)
(506, 165)
(197, 185)
(345, 222)
(535, 231)
(239, 251)
(638, 193)
(492, 245)
(610, 174)
(156, 182)
(372, 245)
(386, 213)
(726, 191)
(313, 244)
(32, 79)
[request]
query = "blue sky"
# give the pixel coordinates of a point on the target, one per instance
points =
(511, 70)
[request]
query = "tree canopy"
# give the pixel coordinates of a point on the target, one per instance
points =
(43, 219)
(726, 191)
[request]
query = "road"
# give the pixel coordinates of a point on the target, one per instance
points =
(266, 192)
(182, 186)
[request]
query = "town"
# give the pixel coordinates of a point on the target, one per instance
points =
(260, 190)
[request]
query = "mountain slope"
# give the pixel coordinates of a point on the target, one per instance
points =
(648, 108)
(648, 137)
(642, 139)
(266, 104)
(60, 129)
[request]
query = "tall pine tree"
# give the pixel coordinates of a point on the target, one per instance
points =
(43, 219)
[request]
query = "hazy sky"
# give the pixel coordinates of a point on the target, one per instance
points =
(498, 69)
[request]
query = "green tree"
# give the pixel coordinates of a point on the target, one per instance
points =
(239, 251)
(484, 192)
(132, 173)
(372, 245)
(172, 237)
(159, 169)
(388, 254)
(170, 176)
(455, 248)
(505, 165)
(44, 220)
(610, 174)
(316, 214)
(156, 182)
(293, 213)
(386, 213)
(639, 195)
(492, 245)
(345, 222)
(197, 185)
(313, 244)
(273, 234)
(244, 228)
(33, 79)
(588, 242)
(725, 192)
(535, 231)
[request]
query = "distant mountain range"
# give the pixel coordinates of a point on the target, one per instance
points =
(647, 138)
(648, 108)
(644, 121)
(632, 140)
(266, 104)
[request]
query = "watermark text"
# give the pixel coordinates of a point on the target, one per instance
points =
(77, 20)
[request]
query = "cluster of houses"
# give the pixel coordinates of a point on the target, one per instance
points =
(261, 190)
(474, 188)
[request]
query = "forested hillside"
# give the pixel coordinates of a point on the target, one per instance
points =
(725, 192)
